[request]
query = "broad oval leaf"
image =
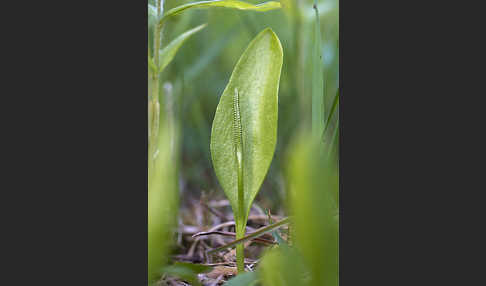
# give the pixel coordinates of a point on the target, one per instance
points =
(245, 124)
(168, 52)
(266, 6)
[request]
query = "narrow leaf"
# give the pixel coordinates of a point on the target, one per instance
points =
(266, 6)
(313, 188)
(244, 279)
(186, 271)
(168, 52)
(331, 113)
(317, 80)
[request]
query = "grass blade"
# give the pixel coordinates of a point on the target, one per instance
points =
(335, 103)
(244, 279)
(240, 5)
(168, 53)
(318, 116)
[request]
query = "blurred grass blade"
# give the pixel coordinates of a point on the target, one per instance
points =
(210, 54)
(283, 266)
(162, 205)
(186, 271)
(255, 234)
(333, 108)
(244, 279)
(168, 52)
(313, 189)
(334, 142)
(240, 5)
(335, 103)
(271, 269)
(318, 116)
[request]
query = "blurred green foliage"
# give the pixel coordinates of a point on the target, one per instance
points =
(162, 202)
(313, 178)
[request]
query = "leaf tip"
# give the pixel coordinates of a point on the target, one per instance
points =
(202, 26)
(268, 32)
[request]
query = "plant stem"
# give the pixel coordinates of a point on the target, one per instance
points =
(240, 224)
(157, 36)
(240, 258)
(240, 213)
(155, 105)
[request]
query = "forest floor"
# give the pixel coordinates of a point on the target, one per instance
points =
(205, 224)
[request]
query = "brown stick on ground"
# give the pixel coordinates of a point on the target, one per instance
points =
(232, 234)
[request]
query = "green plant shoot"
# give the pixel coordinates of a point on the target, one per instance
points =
(244, 131)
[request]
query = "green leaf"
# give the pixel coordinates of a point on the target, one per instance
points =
(253, 90)
(186, 271)
(244, 131)
(152, 65)
(318, 116)
(162, 203)
(168, 52)
(313, 188)
(244, 279)
(331, 112)
(282, 266)
(266, 6)
(183, 273)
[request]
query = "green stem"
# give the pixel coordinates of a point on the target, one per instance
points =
(240, 224)
(240, 215)
(155, 108)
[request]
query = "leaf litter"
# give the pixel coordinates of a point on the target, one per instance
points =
(205, 224)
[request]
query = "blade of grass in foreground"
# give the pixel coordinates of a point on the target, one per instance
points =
(317, 80)
(240, 5)
(162, 205)
(334, 107)
(313, 186)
